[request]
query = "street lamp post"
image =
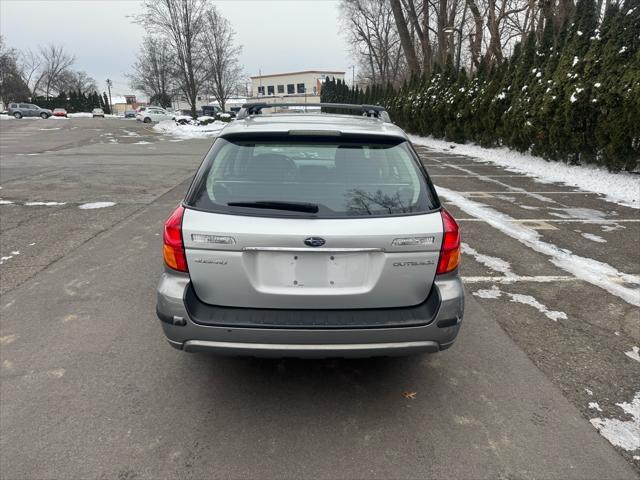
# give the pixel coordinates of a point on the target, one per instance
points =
(459, 32)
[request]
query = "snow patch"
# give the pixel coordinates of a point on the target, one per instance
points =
(621, 188)
(611, 228)
(6, 202)
(589, 392)
(622, 433)
(506, 198)
(594, 238)
(94, 205)
(597, 273)
(634, 353)
(142, 142)
(80, 115)
(9, 257)
(494, 263)
(595, 406)
(495, 292)
(531, 301)
(579, 213)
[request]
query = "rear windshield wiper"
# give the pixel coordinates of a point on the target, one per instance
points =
(274, 205)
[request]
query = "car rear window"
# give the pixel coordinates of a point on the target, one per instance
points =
(344, 178)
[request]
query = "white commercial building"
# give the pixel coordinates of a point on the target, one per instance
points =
(293, 86)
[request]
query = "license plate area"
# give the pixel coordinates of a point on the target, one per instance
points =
(312, 270)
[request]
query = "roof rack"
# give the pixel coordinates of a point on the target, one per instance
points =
(367, 110)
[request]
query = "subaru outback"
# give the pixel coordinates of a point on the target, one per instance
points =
(311, 235)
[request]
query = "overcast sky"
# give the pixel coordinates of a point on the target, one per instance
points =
(276, 35)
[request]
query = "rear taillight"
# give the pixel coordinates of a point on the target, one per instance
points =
(173, 250)
(450, 251)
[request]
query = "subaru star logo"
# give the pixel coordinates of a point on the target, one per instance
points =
(314, 241)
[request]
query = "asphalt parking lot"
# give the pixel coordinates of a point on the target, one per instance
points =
(90, 389)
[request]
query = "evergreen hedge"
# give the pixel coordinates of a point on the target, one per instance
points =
(74, 101)
(573, 98)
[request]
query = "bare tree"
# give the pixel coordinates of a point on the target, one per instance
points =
(405, 37)
(78, 81)
(370, 29)
(29, 63)
(225, 72)
(182, 22)
(154, 70)
(54, 63)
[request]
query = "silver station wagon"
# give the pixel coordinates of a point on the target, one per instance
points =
(311, 235)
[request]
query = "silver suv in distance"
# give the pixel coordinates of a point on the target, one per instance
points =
(311, 235)
(20, 110)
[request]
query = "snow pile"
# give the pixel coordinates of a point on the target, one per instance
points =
(169, 127)
(622, 188)
(80, 115)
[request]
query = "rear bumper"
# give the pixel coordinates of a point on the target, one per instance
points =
(437, 331)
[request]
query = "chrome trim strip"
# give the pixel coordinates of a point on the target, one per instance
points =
(309, 249)
(309, 347)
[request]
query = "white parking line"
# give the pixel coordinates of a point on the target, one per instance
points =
(597, 273)
(555, 220)
(520, 278)
(526, 192)
(475, 175)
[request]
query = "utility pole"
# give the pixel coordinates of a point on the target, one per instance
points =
(109, 83)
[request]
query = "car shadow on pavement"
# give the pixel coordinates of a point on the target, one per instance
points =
(326, 380)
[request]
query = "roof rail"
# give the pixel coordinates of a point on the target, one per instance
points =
(369, 110)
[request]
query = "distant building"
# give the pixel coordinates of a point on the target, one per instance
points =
(121, 103)
(292, 87)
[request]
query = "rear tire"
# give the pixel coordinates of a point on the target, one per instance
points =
(44, 116)
(17, 115)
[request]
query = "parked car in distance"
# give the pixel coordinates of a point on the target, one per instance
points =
(59, 112)
(187, 112)
(154, 114)
(19, 110)
(129, 114)
(97, 112)
(211, 110)
(311, 235)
